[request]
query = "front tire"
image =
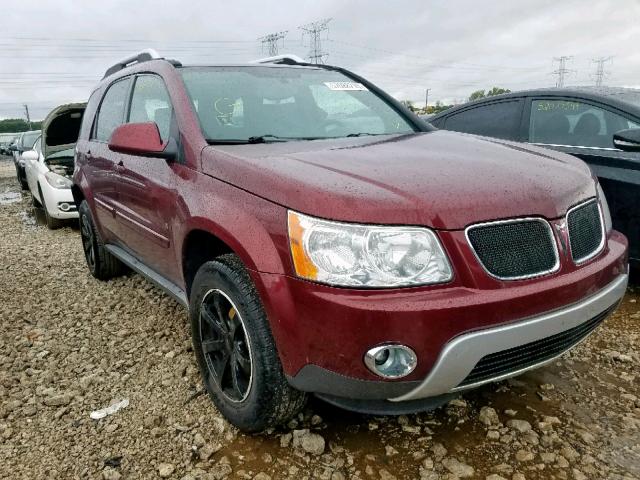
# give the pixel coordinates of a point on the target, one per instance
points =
(101, 263)
(52, 223)
(35, 202)
(21, 180)
(235, 350)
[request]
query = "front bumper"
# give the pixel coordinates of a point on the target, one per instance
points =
(459, 357)
(55, 197)
(532, 342)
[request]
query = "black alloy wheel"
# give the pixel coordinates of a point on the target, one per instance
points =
(225, 345)
(235, 349)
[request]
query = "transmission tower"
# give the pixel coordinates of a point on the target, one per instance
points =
(314, 31)
(562, 70)
(270, 42)
(600, 72)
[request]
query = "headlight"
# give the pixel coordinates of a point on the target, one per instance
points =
(57, 181)
(605, 210)
(365, 255)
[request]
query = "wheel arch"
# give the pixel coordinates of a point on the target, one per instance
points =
(242, 234)
(78, 195)
(200, 245)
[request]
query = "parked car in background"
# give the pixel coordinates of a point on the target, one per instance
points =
(328, 241)
(25, 142)
(578, 121)
(5, 142)
(49, 165)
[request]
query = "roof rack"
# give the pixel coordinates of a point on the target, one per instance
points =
(285, 59)
(142, 56)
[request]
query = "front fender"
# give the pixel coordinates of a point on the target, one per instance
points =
(253, 227)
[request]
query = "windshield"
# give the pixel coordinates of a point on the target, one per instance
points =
(29, 138)
(252, 103)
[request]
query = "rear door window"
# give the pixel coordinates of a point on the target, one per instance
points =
(151, 103)
(111, 113)
(499, 119)
(574, 123)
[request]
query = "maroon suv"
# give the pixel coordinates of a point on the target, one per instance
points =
(327, 241)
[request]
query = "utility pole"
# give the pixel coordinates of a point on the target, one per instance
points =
(26, 111)
(270, 42)
(600, 72)
(562, 70)
(426, 99)
(314, 30)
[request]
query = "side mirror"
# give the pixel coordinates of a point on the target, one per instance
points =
(13, 148)
(30, 155)
(142, 139)
(628, 140)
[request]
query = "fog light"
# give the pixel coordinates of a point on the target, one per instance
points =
(63, 206)
(391, 361)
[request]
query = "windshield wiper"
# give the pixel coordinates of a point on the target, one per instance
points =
(276, 138)
(268, 138)
(363, 134)
(226, 141)
(256, 139)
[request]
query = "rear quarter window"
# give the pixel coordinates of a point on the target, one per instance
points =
(500, 120)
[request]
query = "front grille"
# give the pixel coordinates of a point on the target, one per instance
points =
(515, 249)
(585, 231)
(527, 355)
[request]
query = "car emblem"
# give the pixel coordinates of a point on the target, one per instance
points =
(563, 235)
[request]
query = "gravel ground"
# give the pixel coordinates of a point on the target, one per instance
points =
(70, 345)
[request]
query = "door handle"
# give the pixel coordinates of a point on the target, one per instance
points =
(120, 163)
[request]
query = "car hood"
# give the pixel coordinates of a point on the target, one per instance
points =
(444, 180)
(61, 127)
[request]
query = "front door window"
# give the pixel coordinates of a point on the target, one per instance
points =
(573, 123)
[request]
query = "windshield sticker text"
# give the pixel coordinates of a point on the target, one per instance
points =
(345, 86)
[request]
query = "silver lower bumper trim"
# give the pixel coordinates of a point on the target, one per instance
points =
(461, 355)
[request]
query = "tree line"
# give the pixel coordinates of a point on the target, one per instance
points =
(17, 125)
(440, 107)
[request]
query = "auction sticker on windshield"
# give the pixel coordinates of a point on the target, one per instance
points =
(345, 86)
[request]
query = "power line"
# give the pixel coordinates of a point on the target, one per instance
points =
(435, 64)
(270, 42)
(314, 31)
(118, 40)
(562, 70)
(600, 72)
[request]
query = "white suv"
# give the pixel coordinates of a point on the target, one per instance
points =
(49, 165)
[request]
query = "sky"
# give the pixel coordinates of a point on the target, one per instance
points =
(55, 51)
